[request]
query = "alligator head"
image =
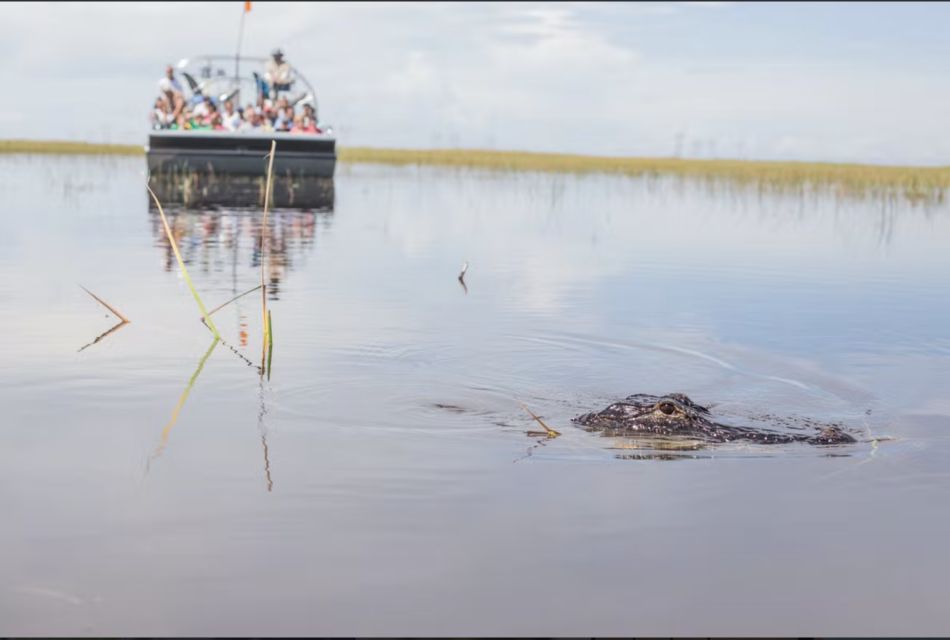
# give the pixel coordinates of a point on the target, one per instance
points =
(676, 415)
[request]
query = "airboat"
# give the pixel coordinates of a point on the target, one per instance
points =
(240, 153)
(215, 167)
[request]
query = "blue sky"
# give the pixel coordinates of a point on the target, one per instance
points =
(864, 82)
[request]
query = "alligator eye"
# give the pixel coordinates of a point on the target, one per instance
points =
(667, 407)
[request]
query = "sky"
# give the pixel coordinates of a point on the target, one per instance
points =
(851, 82)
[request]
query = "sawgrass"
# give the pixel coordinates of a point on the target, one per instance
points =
(181, 264)
(64, 147)
(850, 178)
(914, 182)
(116, 312)
(548, 431)
(265, 314)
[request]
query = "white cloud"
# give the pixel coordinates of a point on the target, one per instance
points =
(552, 76)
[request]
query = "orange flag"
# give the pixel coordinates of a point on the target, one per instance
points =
(247, 6)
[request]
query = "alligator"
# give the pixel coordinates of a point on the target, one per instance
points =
(675, 415)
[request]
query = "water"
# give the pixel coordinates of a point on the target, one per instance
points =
(381, 481)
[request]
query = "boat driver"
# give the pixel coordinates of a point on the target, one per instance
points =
(278, 74)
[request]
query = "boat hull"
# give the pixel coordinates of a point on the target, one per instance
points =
(298, 155)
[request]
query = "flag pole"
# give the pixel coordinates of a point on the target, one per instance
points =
(237, 56)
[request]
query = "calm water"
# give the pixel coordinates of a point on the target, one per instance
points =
(382, 481)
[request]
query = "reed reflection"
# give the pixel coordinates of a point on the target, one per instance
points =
(167, 430)
(107, 333)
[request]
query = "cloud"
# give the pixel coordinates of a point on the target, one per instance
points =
(572, 77)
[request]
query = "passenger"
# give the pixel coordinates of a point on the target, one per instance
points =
(310, 119)
(204, 108)
(162, 114)
(277, 76)
(298, 125)
(217, 123)
(285, 118)
(304, 125)
(211, 112)
(170, 83)
(173, 92)
(231, 119)
(255, 122)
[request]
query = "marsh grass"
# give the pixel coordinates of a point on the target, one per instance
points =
(848, 179)
(270, 342)
(181, 264)
(64, 147)
(237, 297)
(915, 183)
(548, 431)
(265, 314)
(105, 304)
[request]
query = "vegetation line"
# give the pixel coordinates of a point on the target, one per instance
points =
(66, 147)
(181, 264)
(910, 180)
(913, 181)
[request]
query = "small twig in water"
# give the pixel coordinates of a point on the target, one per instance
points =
(240, 295)
(548, 431)
(105, 304)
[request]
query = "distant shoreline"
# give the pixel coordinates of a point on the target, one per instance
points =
(910, 181)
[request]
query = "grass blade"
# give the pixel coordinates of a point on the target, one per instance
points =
(267, 194)
(181, 263)
(270, 343)
(105, 304)
(240, 295)
(551, 433)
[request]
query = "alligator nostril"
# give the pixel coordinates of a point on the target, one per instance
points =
(667, 407)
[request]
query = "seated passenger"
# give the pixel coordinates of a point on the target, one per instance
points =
(211, 112)
(303, 125)
(254, 121)
(285, 119)
(310, 119)
(231, 119)
(204, 107)
(162, 114)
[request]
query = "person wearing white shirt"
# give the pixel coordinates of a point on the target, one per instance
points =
(230, 118)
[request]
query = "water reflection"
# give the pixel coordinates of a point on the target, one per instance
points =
(223, 239)
(110, 331)
(167, 430)
(392, 421)
(192, 189)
